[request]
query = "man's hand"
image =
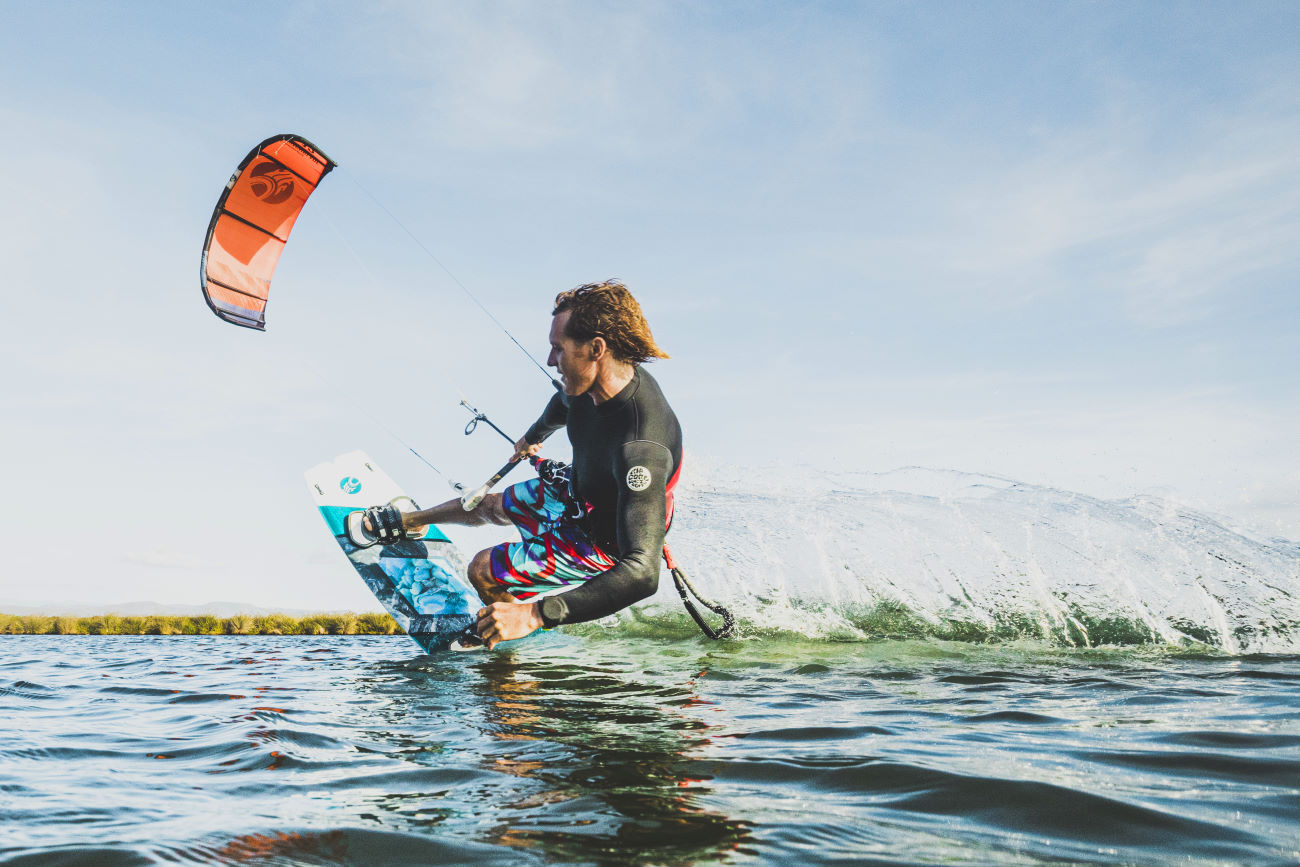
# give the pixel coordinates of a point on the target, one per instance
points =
(525, 449)
(505, 621)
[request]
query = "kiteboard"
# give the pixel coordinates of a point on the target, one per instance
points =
(421, 582)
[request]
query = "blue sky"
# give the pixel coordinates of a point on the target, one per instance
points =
(1058, 242)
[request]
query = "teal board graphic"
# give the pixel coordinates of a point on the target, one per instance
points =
(420, 582)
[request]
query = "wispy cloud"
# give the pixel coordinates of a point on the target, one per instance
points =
(1161, 232)
(626, 80)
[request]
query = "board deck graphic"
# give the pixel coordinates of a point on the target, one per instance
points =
(421, 583)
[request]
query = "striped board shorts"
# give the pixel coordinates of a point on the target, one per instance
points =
(553, 552)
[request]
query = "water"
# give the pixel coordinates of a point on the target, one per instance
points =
(610, 748)
(1126, 689)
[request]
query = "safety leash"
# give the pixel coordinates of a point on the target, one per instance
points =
(684, 584)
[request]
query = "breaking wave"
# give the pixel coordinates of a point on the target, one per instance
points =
(954, 555)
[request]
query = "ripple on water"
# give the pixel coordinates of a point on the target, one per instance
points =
(1067, 814)
(1228, 740)
(796, 734)
(26, 690)
(1014, 716)
(338, 846)
(1203, 766)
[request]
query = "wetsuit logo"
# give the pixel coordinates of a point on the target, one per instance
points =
(638, 478)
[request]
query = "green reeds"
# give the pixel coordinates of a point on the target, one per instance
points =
(370, 623)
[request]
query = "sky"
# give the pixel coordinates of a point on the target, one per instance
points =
(1055, 242)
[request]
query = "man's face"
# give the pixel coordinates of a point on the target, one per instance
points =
(573, 359)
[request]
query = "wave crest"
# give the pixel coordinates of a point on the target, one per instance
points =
(952, 555)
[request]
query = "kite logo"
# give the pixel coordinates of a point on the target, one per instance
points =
(638, 478)
(271, 183)
(350, 485)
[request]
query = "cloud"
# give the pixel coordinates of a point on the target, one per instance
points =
(1161, 233)
(1178, 274)
(1156, 215)
(623, 81)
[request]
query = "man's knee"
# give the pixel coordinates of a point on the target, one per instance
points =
(480, 568)
(480, 577)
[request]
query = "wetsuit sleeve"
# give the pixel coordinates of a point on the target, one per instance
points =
(642, 469)
(552, 419)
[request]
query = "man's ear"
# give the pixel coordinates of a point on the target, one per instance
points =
(598, 348)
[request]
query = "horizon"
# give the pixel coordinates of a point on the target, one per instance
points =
(150, 608)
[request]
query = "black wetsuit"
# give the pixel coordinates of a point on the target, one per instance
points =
(626, 453)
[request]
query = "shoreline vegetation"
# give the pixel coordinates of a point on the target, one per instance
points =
(369, 623)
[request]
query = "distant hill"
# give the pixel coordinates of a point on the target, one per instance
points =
(144, 609)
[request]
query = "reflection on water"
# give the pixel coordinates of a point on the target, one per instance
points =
(570, 756)
(612, 761)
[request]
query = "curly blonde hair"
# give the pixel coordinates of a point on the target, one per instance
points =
(608, 310)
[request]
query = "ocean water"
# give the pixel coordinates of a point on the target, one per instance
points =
(932, 667)
(610, 748)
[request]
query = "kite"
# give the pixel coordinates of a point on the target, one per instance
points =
(251, 225)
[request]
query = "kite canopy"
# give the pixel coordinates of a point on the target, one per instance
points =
(251, 225)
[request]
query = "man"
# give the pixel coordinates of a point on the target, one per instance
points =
(603, 537)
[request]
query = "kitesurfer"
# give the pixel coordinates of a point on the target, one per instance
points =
(599, 532)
